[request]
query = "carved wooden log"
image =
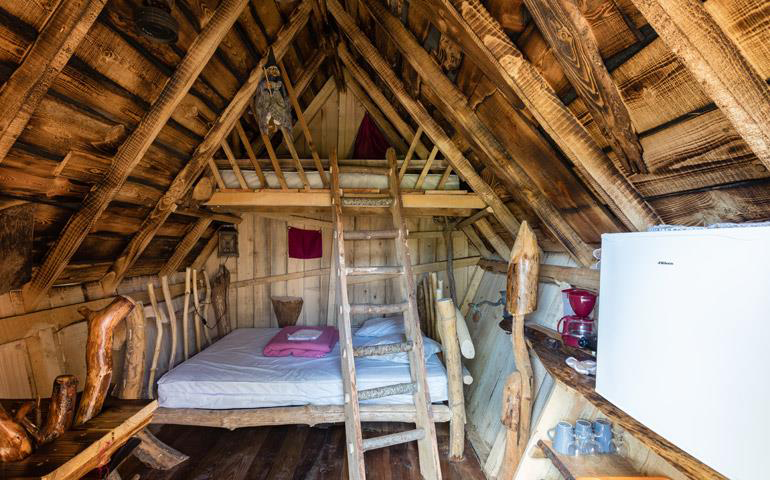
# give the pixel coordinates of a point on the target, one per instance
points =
(60, 411)
(14, 442)
(220, 300)
(447, 324)
(156, 454)
(521, 298)
(197, 307)
(171, 320)
(133, 362)
(101, 325)
(158, 340)
(287, 310)
(206, 303)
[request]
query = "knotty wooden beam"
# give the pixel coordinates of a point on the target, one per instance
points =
(717, 64)
(454, 105)
(54, 46)
(132, 150)
(183, 249)
(452, 154)
(321, 198)
(479, 33)
(573, 43)
(203, 154)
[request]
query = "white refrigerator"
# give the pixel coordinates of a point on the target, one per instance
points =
(684, 341)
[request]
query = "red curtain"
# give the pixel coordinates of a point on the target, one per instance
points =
(370, 143)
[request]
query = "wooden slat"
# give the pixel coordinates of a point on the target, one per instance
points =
(234, 165)
(277, 198)
(203, 155)
(717, 64)
(216, 174)
(250, 152)
(485, 228)
(303, 124)
(426, 168)
(274, 160)
(410, 152)
(130, 153)
(444, 177)
(485, 36)
(418, 112)
(183, 249)
(51, 51)
(454, 105)
(289, 141)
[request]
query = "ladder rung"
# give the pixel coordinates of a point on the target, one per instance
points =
(374, 270)
(387, 391)
(369, 234)
(393, 439)
(373, 309)
(386, 349)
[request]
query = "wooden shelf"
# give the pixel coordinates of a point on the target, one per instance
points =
(83, 448)
(554, 362)
(591, 466)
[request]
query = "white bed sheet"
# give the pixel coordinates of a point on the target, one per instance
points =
(233, 373)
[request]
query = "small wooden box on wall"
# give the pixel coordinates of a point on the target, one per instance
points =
(228, 241)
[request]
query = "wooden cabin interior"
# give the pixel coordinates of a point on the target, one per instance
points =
(189, 186)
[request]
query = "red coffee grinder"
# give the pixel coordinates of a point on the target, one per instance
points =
(574, 328)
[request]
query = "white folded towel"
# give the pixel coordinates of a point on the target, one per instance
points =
(305, 334)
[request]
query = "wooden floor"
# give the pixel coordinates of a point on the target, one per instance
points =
(293, 452)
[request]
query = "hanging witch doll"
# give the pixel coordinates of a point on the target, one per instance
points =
(270, 104)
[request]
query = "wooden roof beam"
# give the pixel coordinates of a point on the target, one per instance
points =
(185, 246)
(454, 106)
(202, 155)
(479, 33)
(54, 46)
(451, 153)
(132, 150)
(717, 64)
(573, 43)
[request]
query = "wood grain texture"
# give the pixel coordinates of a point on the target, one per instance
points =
(51, 51)
(131, 151)
(484, 34)
(16, 236)
(717, 64)
(454, 105)
(185, 246)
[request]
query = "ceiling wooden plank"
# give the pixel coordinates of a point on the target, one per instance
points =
(717, 64)
(202, 156)
(454, 105)
(483, 35)
(51, 51)
(185, 246)
(130, 153)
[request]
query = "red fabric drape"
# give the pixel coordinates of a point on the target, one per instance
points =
(305, 243)
(370, 143)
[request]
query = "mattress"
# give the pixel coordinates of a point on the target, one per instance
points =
(233, 373)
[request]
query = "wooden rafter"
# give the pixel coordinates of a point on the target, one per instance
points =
(250, 152)
(132, 150)
(410, 152)
(185, 246)
(289, 140)
(418, 112)
(320, 198)
(274, 160)
(303, 124)
(426, 168)
(574, 46)
(54, 46)
(202, 156)
(455, 106)
(234, 165)
(717, 64)
(482, 35)
(485, 228)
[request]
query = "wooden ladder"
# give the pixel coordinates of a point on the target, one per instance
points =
(425, 432)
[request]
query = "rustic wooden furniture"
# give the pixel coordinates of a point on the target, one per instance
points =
(84, 447)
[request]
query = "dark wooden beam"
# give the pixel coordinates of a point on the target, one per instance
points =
(718, 65)
(51, 51)
(455, 106)
(203, 154)
(479, 33)
(131, 151)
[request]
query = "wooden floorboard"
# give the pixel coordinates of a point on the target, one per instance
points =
(293, 453)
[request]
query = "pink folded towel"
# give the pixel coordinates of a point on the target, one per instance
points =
(281, 346)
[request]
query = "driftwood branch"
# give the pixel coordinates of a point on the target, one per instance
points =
(60, 411)
(14, 442)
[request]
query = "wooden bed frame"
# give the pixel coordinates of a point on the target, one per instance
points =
(453, 412)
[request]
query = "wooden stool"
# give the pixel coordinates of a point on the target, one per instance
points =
(287, 310)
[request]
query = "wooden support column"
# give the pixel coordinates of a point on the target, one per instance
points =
(718, 66)
(132, 150)
(203, 154)
(573, 43)
(447, 324)
(453, 155)
(483, 36)
(54, 46)
(184, 247)
(455, 106)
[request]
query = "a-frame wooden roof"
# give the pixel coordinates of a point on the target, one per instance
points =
(580, 117)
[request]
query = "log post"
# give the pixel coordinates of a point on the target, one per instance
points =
(186, 315)
(133, 363)
(521, 298)
(221, 301)
(158, 340)
(447, 324)
(101, 325)
(171, 320)
(14, 442)
(61, 409)
(197, 307)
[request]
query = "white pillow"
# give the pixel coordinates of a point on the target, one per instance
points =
(377, 327)
(430, 347)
